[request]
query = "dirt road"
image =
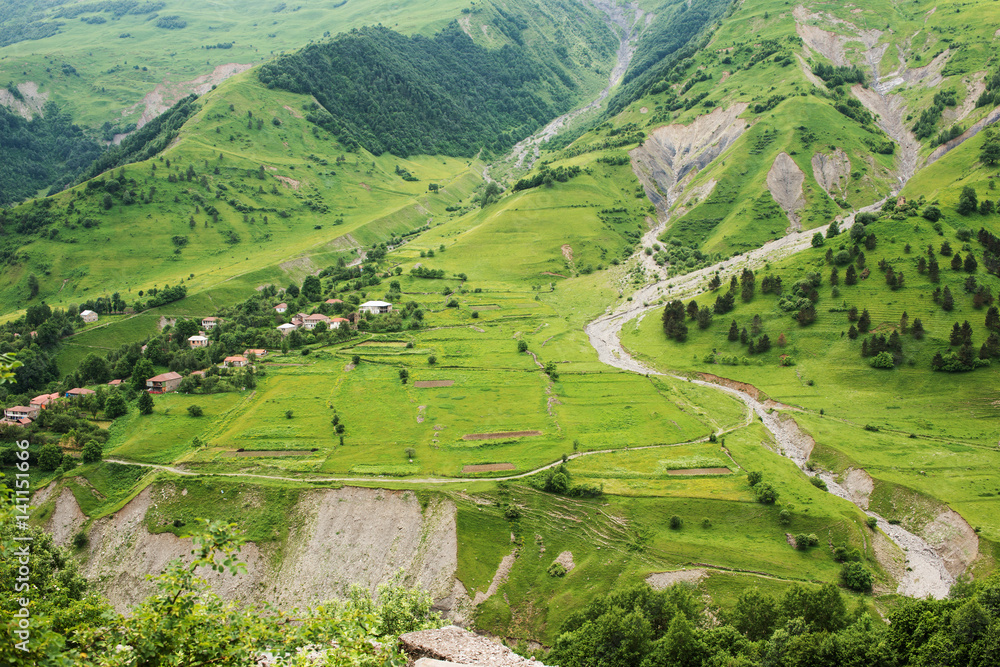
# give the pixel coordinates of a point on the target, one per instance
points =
(926, 573)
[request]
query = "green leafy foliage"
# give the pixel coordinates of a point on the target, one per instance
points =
(487, 98)
(48, 151)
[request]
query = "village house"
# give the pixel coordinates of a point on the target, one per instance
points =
(335, 322)
(281, 307)
(198, 341)
(79, 391)
(163, 382)
(257, 353)
(88, 316)
(311, 321)
(198, 373)
(333, 302)
(208, 323)
(43, 400)
(19, 412)
(237, 361)
(286, 329)
(375, 307)
(115, 383)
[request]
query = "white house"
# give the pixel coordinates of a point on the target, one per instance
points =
(311, 321)
(286, 329)
(19, 412)
(88, 316)
(375, 307)
(208, 323)
(335, 322)
(198, 341)
(281, 307)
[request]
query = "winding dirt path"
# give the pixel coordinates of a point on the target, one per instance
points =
(926, 573)
(629, 21)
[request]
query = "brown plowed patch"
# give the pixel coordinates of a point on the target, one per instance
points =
(497, 436)
(424, 384)
(549, 273)
(489, 467)
(270, 452)
(700, 471)
(733, 384)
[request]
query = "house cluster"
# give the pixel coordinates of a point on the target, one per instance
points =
(167, 382)
(310, 322)
(200, 339)
(22, 415)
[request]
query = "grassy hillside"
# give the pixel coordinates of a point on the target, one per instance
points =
(259, 188)
(80, 65)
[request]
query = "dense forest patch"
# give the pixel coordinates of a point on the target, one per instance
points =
(411, 95)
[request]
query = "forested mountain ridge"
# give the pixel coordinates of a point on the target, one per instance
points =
(70, 53)
(444, 94)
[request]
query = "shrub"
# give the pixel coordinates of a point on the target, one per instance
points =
(80, 540)
(754, 477)
(288, 414)
(872, 522)
(92, 452)
(522, 346)
(818, 483)
(557, 570)
(802, 542)
(432, 360)
(410, 452)
(512, 513)
(765, 493)
(195, 410)
(857, 577)
(882, 360)
(706, 523)
(676, 523)
(785, 517)
(50, 457)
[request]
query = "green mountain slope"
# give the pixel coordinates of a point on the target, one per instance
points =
(732, 127)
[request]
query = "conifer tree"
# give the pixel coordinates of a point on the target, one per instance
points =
(947, 301)
(865, 321)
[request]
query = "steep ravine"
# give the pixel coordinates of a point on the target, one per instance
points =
(628, 21)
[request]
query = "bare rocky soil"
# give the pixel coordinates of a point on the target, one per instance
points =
(832, 172)
(461, 647)
(32, 101)
(338, 537)
(785, 180)
(671, 152)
